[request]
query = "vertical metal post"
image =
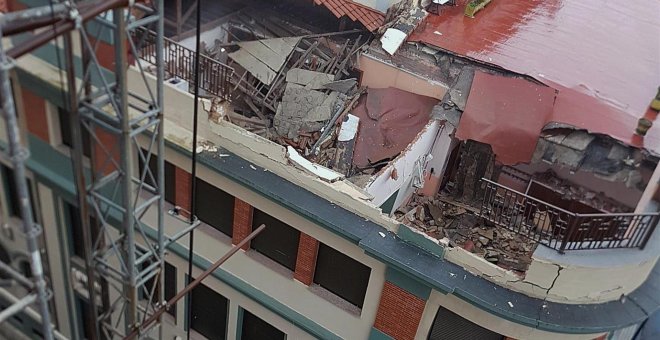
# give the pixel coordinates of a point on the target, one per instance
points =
(18, 154)
(160, 78)
(79, 177)
(126, 164)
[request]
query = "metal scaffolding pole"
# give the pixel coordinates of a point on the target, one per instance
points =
(119, 196)
(18, 155)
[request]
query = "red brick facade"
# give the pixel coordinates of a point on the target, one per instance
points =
(182, 187)
(399, 312)
(35, 114)
(242, 222)
(306, 262)
(102, 155)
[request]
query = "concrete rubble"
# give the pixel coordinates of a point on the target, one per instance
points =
(442, 218)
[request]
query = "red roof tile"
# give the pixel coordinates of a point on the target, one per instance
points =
(369, 17)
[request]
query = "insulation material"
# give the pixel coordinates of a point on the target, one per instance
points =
(389, 120)
(264, 58)
(508, 114)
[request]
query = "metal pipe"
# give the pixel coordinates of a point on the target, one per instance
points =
(126, 166)
(171, 302)
(17, 306)
(16, 275)
(193, 177)
(79, 178)
(160, 99)
(5, 295)
(86, 13)
(18, 155)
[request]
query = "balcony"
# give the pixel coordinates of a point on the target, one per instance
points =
(180, 64)
(560, 229)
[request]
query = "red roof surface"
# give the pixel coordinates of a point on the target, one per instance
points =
(602, 56)
(507, 113)
(369, 17)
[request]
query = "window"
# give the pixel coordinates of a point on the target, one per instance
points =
(12, 193)
(85, 312)
(278, 241)
(254, 328)
(209, 313)
(341, 275)
(170, 286)
(67, 134)
(169, 175)
(448, 325)
(214, 207)
(77, 238)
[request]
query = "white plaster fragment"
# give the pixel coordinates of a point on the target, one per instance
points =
(320, 171)
(392, 40)
(253, 167)
(510, 304)
(382, 234)
(349, 128)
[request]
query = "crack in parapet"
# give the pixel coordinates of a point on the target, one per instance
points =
(544, 304)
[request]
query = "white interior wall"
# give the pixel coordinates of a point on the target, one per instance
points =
(383, 185)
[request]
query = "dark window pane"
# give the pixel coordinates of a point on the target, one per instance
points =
(278, 241)
(254, 328)
(169, 175)
(209, 313)
(215, 207)
(448, 325)
(77, 239)
(12, 193)
(66, 134)
(341, 275)
(170, 286)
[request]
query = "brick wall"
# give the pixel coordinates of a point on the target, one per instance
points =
(35, 114)
(242, 222)
(399, 312)
(306, 262)
(103, 154)
(182, 187)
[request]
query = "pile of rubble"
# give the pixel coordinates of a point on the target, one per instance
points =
(441, 217)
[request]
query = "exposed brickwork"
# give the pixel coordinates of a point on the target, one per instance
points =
(399, 312)
(308, 249)
(182, 187)
(105, 53)
(35, 114)
(103, 155)
(14, 5)
(242, 222)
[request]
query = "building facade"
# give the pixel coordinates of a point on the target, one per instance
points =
(336, 261)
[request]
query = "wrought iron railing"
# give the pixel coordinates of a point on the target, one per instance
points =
(180, 62)
(561, 229)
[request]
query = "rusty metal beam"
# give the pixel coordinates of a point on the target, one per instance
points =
(195, 283)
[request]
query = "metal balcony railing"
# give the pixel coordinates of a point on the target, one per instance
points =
(180, 62)
(561, 229)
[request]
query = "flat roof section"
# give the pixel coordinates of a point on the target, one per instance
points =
(605, 53)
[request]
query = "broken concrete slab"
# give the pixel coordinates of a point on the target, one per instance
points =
(323, 111)
(264, 58)
(309, 79)
(459, 92)
(302, 109)
(344, 86)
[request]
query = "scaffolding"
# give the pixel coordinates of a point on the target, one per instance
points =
(114, 194)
